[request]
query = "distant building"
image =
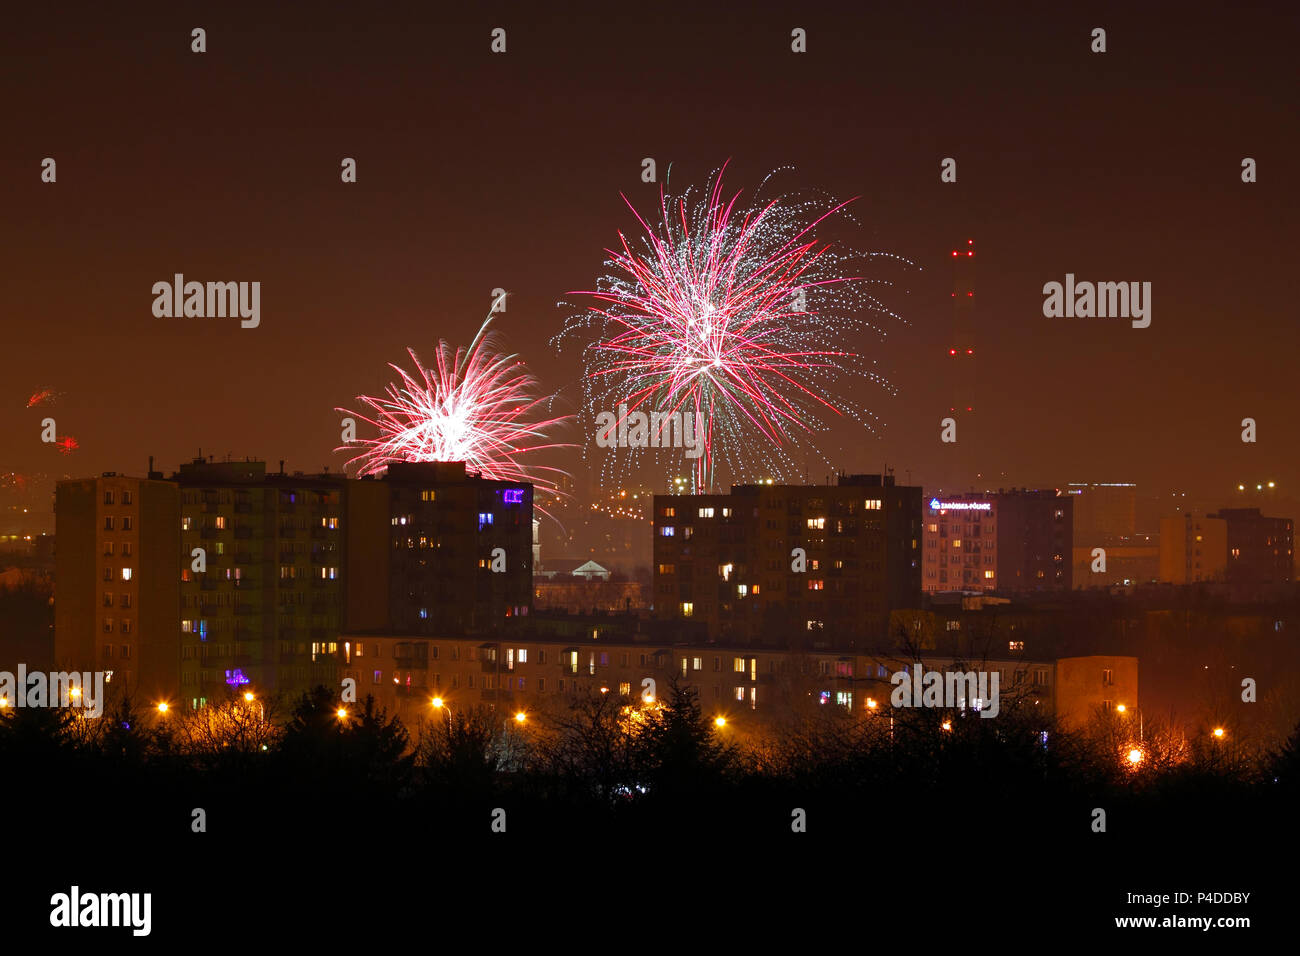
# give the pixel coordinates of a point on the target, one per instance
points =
(1261, 550)
(584, 568)
(741, 683)
(780, 564)
(1104, 512)
(1193, 549)
(1127, 564)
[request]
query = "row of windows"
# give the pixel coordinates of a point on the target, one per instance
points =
(108, 497)
(124, 625)
(109, 521)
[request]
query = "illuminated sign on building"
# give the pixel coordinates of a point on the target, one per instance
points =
(937, 505)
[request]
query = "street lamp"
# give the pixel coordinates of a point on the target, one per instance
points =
(1218, 732)
(437, 703)
(521, 717)
(342, 713)
(1135, 756)
(162, 707)
(720, 721)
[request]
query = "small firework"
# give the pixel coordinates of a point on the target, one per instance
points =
(67, 445)
(476, 405)
(738, 315)
(42, 396)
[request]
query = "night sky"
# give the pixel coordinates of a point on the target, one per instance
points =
(478, 170)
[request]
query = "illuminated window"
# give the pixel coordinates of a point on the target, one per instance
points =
(667, 531)
(816, 585)
(844, 698)
(1016, 645)
(740, 693)
(956, 542)
(706, 512)
(817, 524)
(688, 608)
(220, 523)
(126, 574)
(428, 494)
(872, 504)
(988, 575)
(667, 569)
(697, 664)
(625, 688)
(669, 512)
(742, 589)
(933, 528)
(738, 665)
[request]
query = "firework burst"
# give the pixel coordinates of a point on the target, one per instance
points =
(475, 405)
(738, 315)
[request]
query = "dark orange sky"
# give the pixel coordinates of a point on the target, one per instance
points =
(480, 170)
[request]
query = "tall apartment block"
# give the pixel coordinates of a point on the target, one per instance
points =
(227, 577)
(790, 565)
(117, 570)
(1008, 541)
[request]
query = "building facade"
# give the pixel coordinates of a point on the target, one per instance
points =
(821, 565)
(1006, 542)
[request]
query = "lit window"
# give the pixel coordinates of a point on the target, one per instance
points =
(706, 512)
(688, 608)
(667, 531)
(187, 523)
(428, 494)
(738, 665)
(872, 504)
(126, 574)
(817, 524)
(697, 664)
(816, 585)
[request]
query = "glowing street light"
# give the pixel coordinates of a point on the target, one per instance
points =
(4, 702)
(1218, 732)
(947, 725)
(437, 703)
(248, 697)
(162, 707)
(720, 721)
(1135, 756)
(1121, 708)
(871, 703)
(341, 713)
(520, 717)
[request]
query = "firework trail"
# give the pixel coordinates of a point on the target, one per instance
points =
(737, 315)
(41, 396)
(67, 445)
(475, 405)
